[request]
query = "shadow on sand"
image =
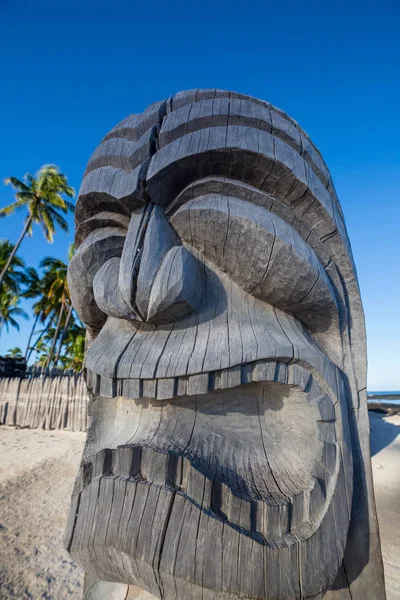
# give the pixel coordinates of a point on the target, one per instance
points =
(383, 431)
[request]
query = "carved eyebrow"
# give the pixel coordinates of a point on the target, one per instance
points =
(152, 156)
(283, 271)
(98, 221)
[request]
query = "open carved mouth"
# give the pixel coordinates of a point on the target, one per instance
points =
(277, 496)
(264, 460)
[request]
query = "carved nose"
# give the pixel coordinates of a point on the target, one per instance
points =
(156, 279)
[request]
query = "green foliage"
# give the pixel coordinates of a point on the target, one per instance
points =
(74, 348)
(41, 195)
(9, 311)
(14, 352)
(57, 335)
(16, 274)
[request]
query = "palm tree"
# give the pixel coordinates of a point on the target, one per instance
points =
(9, 311)
(69, 315)
(63, 333)
(14, 352)
(42, 350)
(75, 347)
(55, 282)
(34, 289)
(15, 275)
(41, 195)
(47, 305)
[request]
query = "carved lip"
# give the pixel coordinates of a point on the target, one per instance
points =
(273, 524)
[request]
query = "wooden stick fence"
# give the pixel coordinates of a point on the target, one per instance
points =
(45, 399)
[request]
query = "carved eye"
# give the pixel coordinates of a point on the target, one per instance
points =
(100, 245)
(259, 251)
(140, 273)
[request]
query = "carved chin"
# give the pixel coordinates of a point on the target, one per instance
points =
(197, 490)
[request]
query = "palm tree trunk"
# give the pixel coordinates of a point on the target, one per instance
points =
(53, 345)
(63, 335)
(39, 338)
(15, 249)
(30, 335)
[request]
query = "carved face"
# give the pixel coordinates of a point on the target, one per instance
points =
(215, 277)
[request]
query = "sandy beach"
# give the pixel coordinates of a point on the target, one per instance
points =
(37, 472)
(385, 449)
(36, 478)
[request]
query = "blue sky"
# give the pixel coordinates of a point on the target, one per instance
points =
(71, 70)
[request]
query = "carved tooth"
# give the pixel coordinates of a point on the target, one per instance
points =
(326, 409)
(219, 498)
(102, 463)
(329, 458)
(225, 493)
(177, 475)
(239, 511)
(123, 460)
(260, 513)
(185, 474)
(233, 509)
(246, 375)
(317, 498)
(172, 470)
(216, 381)
(231, 377)
(195, 487)
(298, 376)
(145, 462)
(90, 380)
(207, 493)
(127, 461)
(96, 384)
(166, 388)
(300, 509)
(326, 432)
(132, 388)
(154, 466)
(198, 384)
(149, 388)
(281, 373)
(264, 371)
(276, 520)
(108, 387)
(182, 386)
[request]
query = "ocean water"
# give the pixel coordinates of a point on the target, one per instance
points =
(389, 397)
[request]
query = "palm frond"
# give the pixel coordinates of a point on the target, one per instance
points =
(61, 222)
(33, 183)
(47, 223)
(17, 184)
(8, 210)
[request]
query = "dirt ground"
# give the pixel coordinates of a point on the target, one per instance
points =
(36, 477)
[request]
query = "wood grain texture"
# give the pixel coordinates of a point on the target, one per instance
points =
(228, 451)
(159, 239)
(99, 246)
(177, 288)
(106, 291)
(45, 400)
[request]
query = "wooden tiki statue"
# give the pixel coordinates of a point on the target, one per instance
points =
(228, 452)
